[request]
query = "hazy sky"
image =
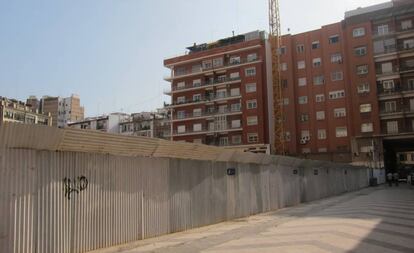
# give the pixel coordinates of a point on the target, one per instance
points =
(111, 52)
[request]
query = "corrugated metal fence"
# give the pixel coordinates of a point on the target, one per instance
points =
(126, 198)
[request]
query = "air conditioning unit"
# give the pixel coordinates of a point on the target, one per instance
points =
(302, 141)
(307, 138)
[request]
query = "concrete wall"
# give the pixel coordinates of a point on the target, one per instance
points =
(132, 198)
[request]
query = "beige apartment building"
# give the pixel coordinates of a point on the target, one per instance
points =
(15, 111)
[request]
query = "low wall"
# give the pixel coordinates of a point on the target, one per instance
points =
(62, 201)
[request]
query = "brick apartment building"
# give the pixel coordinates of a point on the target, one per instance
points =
(219, 93)
(349, 87)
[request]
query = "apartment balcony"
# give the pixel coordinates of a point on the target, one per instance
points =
(406, 69)
(207, 114)
(394, 71)
(225, 66)
(216, 82)
(397, 113)
(202, 100)
(209, 130)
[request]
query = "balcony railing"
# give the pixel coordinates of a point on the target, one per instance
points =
(213, 68)
(393, 71)
(204, 99)
(406, 68)
(203, 85)
(206, 114)
(206, 129)
(397, 110)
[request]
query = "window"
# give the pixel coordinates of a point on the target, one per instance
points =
(303, 100)
(284, 83)
(196, 97)
(252, 137)
(285, 101)
(337, 94)
(282, 50)
(321, 134)
(300, 48)
(305, 135)
(302, 81)
(392, 127)
(181, 100)
(318, 80)
(363, 88)
(251, 104)
(337, 76)
(223, 141)
(180, 114)
(301, 64)
(382, 46)
(179, 71)
(333, 39)
(221, 78)
(320, 115)
(283, 66)
(235, 107)
(250, 87)
(362, 69)
(287, 136)
(235, 59)
(319, 98)
(180, 85)
(365, 108)
(236, 139)
(252, 120)
(304, 117)
(358, 32)
(221, 108)
(207, 64)
(341, 132)
(408, 44)
(390, 106)
(406, 24)
(316, 62)
(388, 84)
(316, 44)
(181, 129)
(197, 83)
(251, 57)
(336, 58)
(221, 93)
(217, 62)
(367, 127)
(235, 123)
(196, 68)
(234, 75)
(339, 112)
(197, 112)
(322, 150)
(386, 67)
(382, 29)
(410, 84)
(250, 71)
(197, 127)
(235, 92)
(360, 51)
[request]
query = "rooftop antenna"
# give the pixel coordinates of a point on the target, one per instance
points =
(233, 33)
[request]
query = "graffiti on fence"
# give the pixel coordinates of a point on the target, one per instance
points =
(76, 185)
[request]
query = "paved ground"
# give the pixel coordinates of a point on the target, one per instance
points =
(372, 220)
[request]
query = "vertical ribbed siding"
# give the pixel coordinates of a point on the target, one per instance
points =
(132, 198)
